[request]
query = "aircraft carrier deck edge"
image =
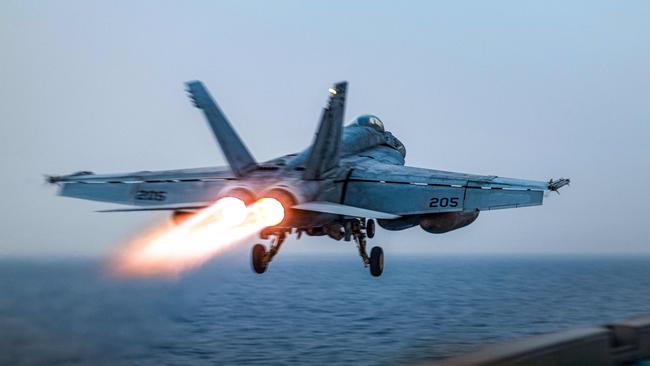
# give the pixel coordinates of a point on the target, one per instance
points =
(624, 342)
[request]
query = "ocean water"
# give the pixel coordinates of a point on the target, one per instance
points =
(306, 309)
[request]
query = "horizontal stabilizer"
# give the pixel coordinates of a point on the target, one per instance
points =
(239, 158)
(326, 147)
(339, 209)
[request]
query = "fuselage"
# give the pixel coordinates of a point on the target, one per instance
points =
(361, 146)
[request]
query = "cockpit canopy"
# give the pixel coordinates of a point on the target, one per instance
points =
(368, 120)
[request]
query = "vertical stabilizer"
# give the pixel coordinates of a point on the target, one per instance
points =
(325, 150)
(239, 158)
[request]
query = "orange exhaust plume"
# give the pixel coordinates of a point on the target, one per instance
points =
(170, 251)
(268, 211)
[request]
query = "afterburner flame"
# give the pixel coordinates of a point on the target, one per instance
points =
(269, 211)
(227, 211)
(170, 251)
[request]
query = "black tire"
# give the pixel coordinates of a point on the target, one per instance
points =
(370, 228)
(376, 261)
(258, 258)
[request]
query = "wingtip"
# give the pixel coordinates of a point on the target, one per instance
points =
(555, 185)
(54, 179)
(51, 179)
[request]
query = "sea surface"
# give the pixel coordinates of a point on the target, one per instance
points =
(306, 309)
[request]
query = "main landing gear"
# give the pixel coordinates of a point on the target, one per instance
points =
(260, 258)
(357, 229)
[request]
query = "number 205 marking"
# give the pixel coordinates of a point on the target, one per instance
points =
(444, 202)
(151, 195)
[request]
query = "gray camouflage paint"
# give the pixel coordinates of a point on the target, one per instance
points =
(357, 170)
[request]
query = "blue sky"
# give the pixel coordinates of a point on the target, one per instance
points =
(517, 89)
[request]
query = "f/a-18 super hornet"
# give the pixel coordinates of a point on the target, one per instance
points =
(349, 177)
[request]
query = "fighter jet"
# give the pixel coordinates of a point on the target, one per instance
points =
(350, 177)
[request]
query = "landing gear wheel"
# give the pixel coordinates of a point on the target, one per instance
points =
(258, 258)
(370, 228)
(376, 261)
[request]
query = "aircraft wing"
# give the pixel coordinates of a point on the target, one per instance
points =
(404, 190)
(338, 209)
(146, 188)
